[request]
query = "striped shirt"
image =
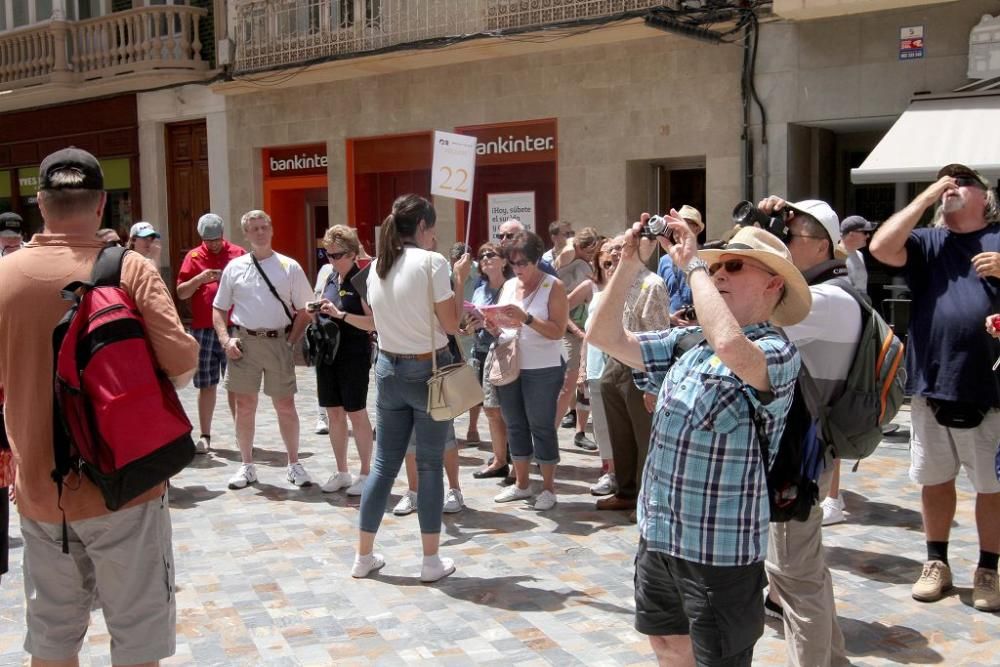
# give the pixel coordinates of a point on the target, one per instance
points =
(704, 491)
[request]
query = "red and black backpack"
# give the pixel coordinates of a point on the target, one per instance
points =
(117, 418)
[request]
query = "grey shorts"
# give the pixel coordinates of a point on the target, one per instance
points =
(267, 358)
(123, 559)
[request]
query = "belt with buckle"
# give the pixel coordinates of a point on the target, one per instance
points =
(423, 356)
(267, 333)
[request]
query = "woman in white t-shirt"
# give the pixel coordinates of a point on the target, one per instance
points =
(410, 329)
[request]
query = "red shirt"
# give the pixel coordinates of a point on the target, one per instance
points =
(197, 260)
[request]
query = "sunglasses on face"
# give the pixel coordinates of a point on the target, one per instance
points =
(505, 235)
(967, 181)
(489, 254)
(731, 266)
(336, 255)
(521, 263)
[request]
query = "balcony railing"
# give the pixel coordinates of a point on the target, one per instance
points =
(274, 33)
(150, 38)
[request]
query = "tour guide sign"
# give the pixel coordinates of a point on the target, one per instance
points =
(454, 169)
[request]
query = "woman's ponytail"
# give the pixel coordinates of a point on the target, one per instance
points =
(390, 247)
(408, 212)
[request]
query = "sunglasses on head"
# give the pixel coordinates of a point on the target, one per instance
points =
(731, 266)
(968, 181)
(336, 255)
(489, 254)
(506, 235)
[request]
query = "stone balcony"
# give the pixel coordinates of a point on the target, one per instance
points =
(804, 10)
(129, 50)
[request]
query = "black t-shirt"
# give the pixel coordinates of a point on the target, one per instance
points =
(950, 356)
(346, 298)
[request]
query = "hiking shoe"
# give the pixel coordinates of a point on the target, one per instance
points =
(583, 442)
(358, 486)
(934, 580)
(512, 493)
(546, 500)
(337, 481)
(406, 505)
(247, 474)
(773, 609)
(322, 428)
(833, 510)
(605, 485)
(435, 568)
(569, 421)
(365, 565)
(298, 476)
(985, 590)
(453, 501)
(203, 445)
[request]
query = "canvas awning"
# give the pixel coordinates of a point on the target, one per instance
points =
(932, 133)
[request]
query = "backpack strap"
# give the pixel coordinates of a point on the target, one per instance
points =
(108, 266)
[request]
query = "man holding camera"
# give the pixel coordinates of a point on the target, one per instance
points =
(681, 312)
(703, 508)
(953, 271)
(198, 280)
(826, 339)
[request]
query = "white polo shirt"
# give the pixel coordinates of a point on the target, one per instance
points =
(242, 288)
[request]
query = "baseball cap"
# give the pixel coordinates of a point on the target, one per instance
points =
(210, 227)
(956, 169)
(823, 214)
(855, 223)
(143, 230)
(71, 159)
(11, 224)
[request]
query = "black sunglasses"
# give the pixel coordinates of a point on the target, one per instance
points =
(522, 263)
(731, 266)
(489, 254)
(968, 181)
(335, 255)
(506, 235)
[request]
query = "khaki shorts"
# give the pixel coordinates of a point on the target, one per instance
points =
(572, 348)
(125, 561)
(270, 358)
(937, 452)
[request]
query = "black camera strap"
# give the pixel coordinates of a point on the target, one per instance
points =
(270, 286)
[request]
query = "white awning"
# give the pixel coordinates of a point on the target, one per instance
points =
(933, 133)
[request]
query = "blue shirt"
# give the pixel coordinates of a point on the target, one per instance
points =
(484, 295)
(704, 490)
(677, 287)
(949, 354)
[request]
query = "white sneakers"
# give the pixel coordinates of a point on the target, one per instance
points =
(358, 486)
(453, 501)
(322, 427)
(433, 569)
(833, 510)
(512, 493)
(246, 475)
(406, 505)
(546, 500)
(337, 481)
(605, 486)
(298, 476)
(203, 445)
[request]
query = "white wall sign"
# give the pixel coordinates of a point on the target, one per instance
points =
(454, 165)
(503, 206)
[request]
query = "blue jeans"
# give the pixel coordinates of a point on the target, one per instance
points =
(528, 405)
(401, 408)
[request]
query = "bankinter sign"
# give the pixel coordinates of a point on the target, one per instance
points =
(514, 143)
(295, 161)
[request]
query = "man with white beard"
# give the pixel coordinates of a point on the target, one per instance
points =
(953, 271)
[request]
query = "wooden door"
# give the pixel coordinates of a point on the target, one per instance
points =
(187, 186)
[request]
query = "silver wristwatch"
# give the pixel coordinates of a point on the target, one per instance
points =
(694, 265)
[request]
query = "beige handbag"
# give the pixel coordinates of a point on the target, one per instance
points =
(506, 366)
(454, 389)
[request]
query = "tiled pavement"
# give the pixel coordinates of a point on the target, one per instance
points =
(263, 573)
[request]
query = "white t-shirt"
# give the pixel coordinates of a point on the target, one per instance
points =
(399, 303)
(321, 279)
(242, 288)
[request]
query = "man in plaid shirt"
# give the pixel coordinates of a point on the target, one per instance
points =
(703, 507)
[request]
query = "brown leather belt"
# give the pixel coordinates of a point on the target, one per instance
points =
(267, 333)
(423, 356)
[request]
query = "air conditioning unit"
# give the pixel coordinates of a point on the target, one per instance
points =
(224, 52)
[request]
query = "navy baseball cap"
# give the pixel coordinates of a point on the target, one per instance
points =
(71, 159)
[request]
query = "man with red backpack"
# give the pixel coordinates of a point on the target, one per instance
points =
(123, 558)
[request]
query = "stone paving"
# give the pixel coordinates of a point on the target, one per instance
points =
(262, 573)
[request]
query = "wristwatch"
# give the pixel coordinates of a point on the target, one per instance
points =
(529, 318)
(694, 265)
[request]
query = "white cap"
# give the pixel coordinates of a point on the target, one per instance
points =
(143, 230)
(823, 214)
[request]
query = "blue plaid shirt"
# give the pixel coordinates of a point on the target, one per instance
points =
(704, 491)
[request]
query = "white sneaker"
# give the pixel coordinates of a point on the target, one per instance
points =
(546, 500)
(435, 568)
(202, 446)
(605, 486)
(512, 493)
(358, 486)
(298, 476)
(833, 510)
(322, 428)
(247, 474)
(365, 565)
(406, 505)
(453, 501)
(337, 481)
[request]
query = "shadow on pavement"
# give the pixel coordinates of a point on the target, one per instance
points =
(887, 568)
(890, 643)
(870, 513)
(188, 497)
(470, 523)
(274, 458)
